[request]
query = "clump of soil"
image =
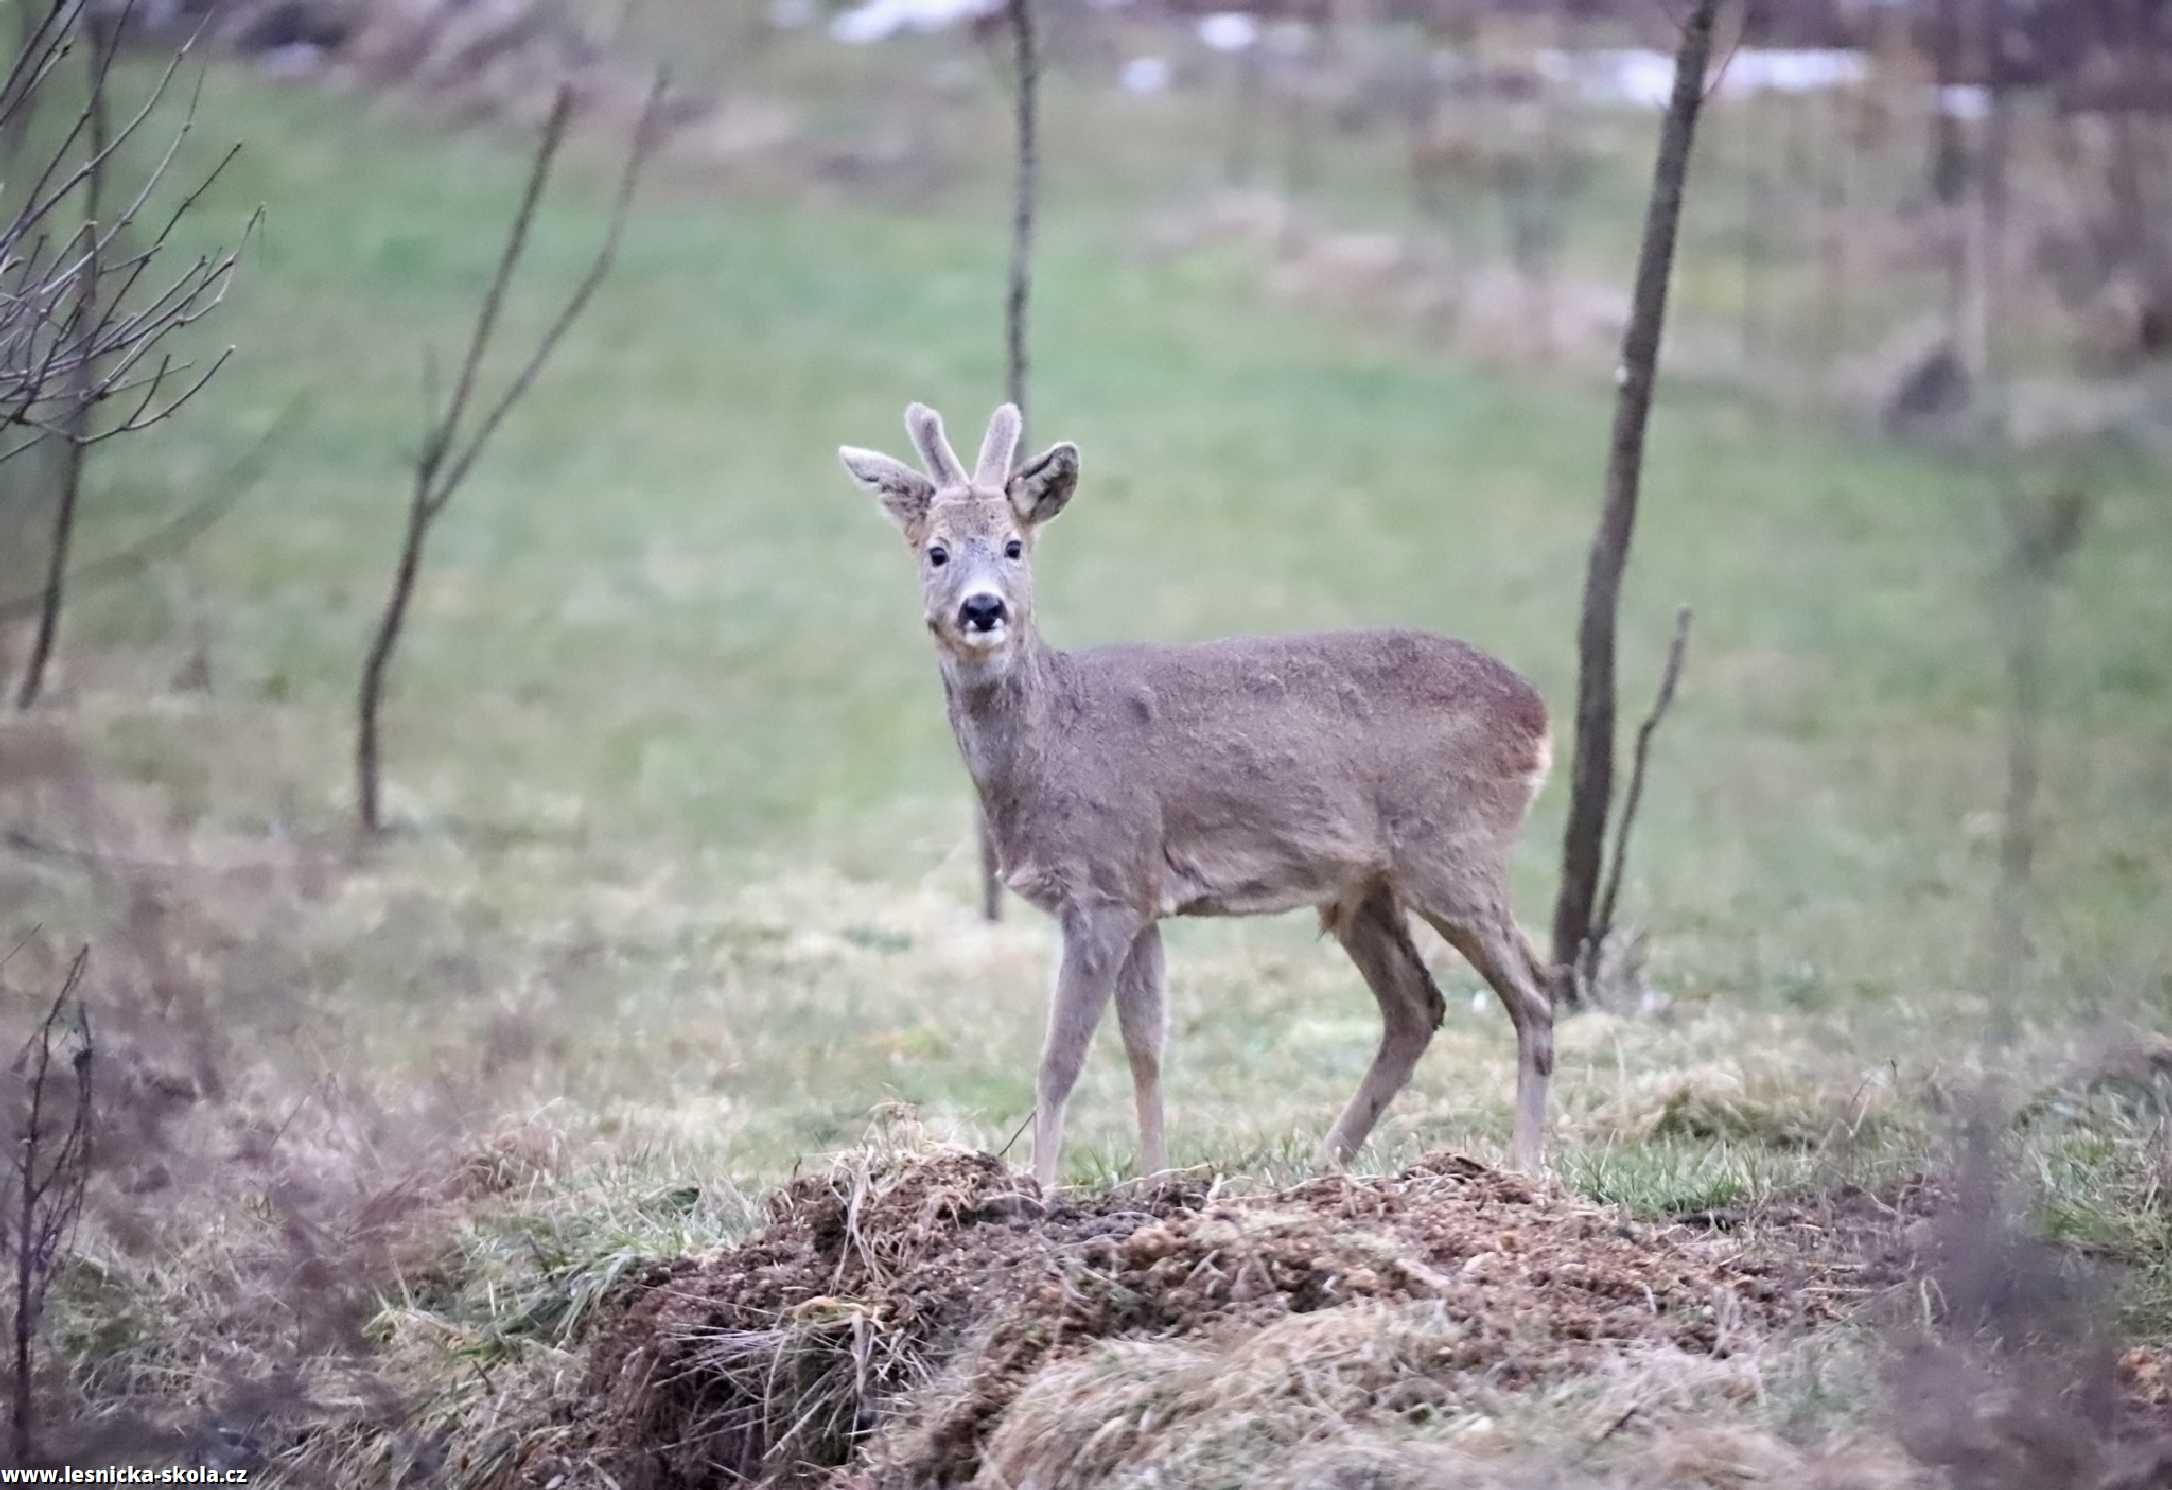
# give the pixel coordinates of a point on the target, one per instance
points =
(1851, 1242)
(888, 1316)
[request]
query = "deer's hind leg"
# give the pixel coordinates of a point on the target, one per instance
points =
(1375, 933)
(1478, 923)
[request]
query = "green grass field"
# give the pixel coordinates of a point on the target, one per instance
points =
(682, 871)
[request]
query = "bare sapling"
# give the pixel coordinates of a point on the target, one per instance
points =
(450, 446)
(1368, 774)
(1591, 787)
(73, 453)
(2040, 535)
(42, 1188)
(88, 305)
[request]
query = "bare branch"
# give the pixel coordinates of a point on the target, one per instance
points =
(75, 332)
(175, 534)
(1670, 676)
(644, 144)
(39, 52)
(181, 208)
(141, 421)
(486, 321)
(121, 343)
(35, 213)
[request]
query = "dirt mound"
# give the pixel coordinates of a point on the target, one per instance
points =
(890, 1314)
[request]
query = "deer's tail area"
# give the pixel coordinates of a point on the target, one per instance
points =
(1542, 761)
(1543, 972)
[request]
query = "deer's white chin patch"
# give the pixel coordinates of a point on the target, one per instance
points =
(981, 643)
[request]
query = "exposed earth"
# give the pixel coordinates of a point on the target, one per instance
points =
(924, 1321)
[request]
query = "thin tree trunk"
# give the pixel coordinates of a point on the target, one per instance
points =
(1592, 774)
(1301, 107)
(1549, 198)
(1949, 173)
(80, 393)
(1949, 156)
(2026, 613)
(25, 1222)
(1244, 116)
(1833, 236)
(67, 489)
(2026, 607)
(1986, 255)
(1015, 304)
(379, 659)
(1027, 62)
(1756, 206)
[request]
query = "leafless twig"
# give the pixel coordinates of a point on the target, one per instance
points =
(1603, 926)
(1016, 1133)
(177, 532)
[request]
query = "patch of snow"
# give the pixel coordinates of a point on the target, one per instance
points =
(1638, 76)
(1633, 75)
(1229, 30)
(1145, 76)
(1794, 70)
(879, 20)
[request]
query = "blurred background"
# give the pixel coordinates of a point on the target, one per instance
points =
(675, 864)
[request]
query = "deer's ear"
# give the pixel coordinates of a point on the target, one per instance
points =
(903, 491)
(1038, 492)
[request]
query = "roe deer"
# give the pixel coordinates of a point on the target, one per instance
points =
(1367, 773)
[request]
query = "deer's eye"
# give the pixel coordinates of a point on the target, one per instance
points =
(1015, 549)
(938, 555)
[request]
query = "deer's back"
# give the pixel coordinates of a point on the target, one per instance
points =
(1382, 701)
(1265, 772)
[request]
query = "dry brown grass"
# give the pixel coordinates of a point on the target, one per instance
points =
(1359, 1397)
(1751, 1105)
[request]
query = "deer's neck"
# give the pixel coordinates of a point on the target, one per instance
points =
(1001, 718)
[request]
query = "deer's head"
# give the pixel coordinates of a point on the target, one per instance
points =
(972, 536)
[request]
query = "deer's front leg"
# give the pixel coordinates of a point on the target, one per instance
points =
(1140, 1014)
(1094, 947)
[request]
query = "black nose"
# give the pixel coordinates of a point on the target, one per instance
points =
(981, 612)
